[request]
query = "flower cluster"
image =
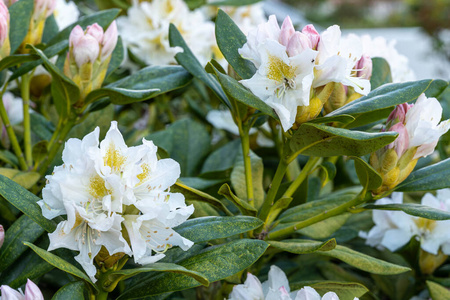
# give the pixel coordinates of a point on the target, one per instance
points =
(275, 288)
(116, 199)
(419, 129)
(293, 66)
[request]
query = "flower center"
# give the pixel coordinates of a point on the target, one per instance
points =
(145, 173)
(113, 158)
(282, 73)
(97, 187)
(425, 225)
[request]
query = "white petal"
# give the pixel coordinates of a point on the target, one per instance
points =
(307, 293)
(394, 239)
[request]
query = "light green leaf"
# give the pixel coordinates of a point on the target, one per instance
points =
(192, 65)
(229, 39)
(381, 72)
(24, 201)
(325, 228)
(364, 262)
(243, 206)
(210, 228)
(19, 17)
(344, 290)
(413, 209)
(437, 291)
(25, 179)
(216, 263)
(320, 140)
(430, 178)
(277, 208)
(60, 263)
(368, 176)
(303, 246)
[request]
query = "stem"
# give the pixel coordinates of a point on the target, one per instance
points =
(11, 135)
(245, 142)
(102, 295)
(25, 93)
(361, 198)
(312, 162)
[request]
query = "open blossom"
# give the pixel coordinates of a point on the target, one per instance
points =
(275, 288)
(106, 187)
(145, 31)
(282, 81)
(32, 292)
(66, 13)
(394, 229)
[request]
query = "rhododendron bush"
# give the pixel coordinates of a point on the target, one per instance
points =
(189, 150)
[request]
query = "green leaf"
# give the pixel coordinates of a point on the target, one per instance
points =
(430, 178)
(161, 267)
(51, 29)
(364, 262)
(19, 16)
(117, 57)
(343, 119)
(238, 182)
(325, 228)
(122, 96)
(102, 18)
(192, 194)
(437, 291)
(25, 179)
(64, 91)
(344, 290)
(22, 230)
(71, 291)
(277, 208)
(238, 92)
(24, 201)
(243, 206)
(413, 209)
(368, 176)
(381, 72)
(60, 263)
(436, 88)
(192, 65)
(223, 158)
(320, 140)
(210, 228)
(379, 102)
(215, 263)
(229, 39)
(303, 246)
(13, 60)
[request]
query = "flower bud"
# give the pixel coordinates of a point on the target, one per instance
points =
(96, 31)
(43, 8)
(312, 34)
(32, 291)
(5, 48)
(297, 44)
(429, 262)
(364, 67)
(109, 41)
(401, 143)
(399, 113)
(9, 293)
(86, 50)
(287, 30)
(2, 235)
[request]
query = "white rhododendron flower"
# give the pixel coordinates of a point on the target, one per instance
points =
(145, 31)
(380, 47)
(32, 292)
(14, 108)
(394, 229)
(275, 288)
(101, 187)
(66, 13)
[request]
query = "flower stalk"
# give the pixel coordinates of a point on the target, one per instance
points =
(25, 93)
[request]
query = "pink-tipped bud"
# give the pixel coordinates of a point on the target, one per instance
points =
(401, 143)
(75, 35)
(287, 30)
(86, 50)
(96, 31)
(109, 40)
(364, 67)
(312, 34)
(2, 235)
(399, 113)
(43, 8)
(4, 23)
(297, 44)
(9, 293)
(32, 291)
(9, 2)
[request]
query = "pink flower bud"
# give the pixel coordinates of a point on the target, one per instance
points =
(287, 30)
(401, 143)
(85, 50)
(399, 113)
(96, 31)
(43, 8)
(2, 235)
(109, 40)
(32, 291)
(75, 35)
(4, 23)
(297, 44)
(312, 34)
(9, 2)
(10, 294)
(364, 67)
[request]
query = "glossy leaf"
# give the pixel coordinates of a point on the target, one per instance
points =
(320, 140)
(343, 119)
(364, 262)
(210, 228)
(71, 291)
(303, 246)
(368, 176)
(51, 29)
(437, 291)
(229, 39)
(22, 230)
(215, 263)
(122, 96)
(430, 178)
(436, 88)
(344, 290)
(381, 72)
(243, 206)
(324, 229)
(60, 263)
(413, 209)
(192, 65)
(24, 201)
(19, 18)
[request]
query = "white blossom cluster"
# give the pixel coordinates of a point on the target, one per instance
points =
(116, 197)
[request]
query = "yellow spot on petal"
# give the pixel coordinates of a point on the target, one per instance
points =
(97, 187)
(425, 224)
(279, 70)
(145, 173)
(113, 158)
